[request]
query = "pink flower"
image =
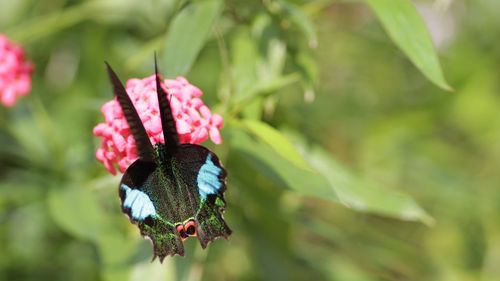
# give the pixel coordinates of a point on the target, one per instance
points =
(15, 71)
(195, 123)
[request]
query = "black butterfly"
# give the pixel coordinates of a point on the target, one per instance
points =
(173, 191)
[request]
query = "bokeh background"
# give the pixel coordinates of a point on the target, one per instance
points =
(350, 155)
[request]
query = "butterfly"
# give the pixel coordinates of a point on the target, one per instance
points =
(173, 191)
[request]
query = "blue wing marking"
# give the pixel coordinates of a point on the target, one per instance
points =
(208, 178)
(138, 202)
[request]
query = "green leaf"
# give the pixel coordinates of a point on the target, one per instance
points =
(276, 141)
(271, 48)
(116, 253)
(271, 63)
(75, 209)
(39, 27)
(365, 195)
(258, 60)
(309, 72)
(273, 166)
(144, 53)
(154, 271)
(187, 34)
(407, 29)
(244, 55)
(357, 192)
(302, 21)
(266, 88)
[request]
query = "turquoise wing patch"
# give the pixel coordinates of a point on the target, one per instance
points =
(208, 178)
(138, 202)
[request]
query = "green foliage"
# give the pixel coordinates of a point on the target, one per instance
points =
(276, 141)
(187, 34)
(407, 29)
(343, 162)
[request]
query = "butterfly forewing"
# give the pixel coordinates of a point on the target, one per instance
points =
(167, 120)
(144, 148)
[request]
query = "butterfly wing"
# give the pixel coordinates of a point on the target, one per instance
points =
(142, 189)
(167, 120)
(146, 202)
(145, 149)
(202, 179)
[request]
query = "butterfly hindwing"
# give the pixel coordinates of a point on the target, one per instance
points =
(200, 172)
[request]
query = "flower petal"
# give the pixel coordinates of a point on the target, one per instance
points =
(215, 135)
(194, 121)
(183, 127)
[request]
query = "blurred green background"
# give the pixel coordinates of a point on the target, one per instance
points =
(350, 156)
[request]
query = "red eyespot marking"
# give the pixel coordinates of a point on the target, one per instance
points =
(190, 228)
(182, 233)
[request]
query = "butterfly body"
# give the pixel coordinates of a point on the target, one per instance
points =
(173, 191)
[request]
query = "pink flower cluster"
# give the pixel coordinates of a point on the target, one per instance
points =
(15, 72)
(195, 122)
